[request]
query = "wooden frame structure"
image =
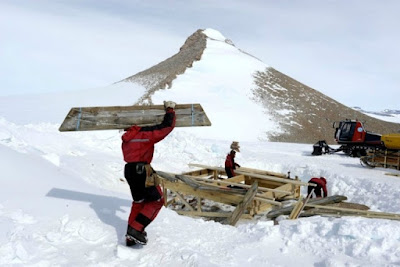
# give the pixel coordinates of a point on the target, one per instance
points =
(384, 159)
(250, 192)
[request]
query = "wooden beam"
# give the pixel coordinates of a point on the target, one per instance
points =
(235, 179)
(240, 208)
(227, 182)
(263, 177)
(261, 198)
(276, 179)
(211, 214)
(199, 204)
(392, 174)
(365, 213)
(230, 199)
(304, 204)
(287, 210)
(262, 172)
(296, 209)
(184, 200)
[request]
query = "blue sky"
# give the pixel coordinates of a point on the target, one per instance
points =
(347, 50)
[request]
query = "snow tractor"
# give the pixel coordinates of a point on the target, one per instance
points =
(374, 150)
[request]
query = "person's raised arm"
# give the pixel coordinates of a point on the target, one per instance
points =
(160, 131)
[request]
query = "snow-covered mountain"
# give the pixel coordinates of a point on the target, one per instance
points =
(228, 82)
(64, 202)
(210, 68)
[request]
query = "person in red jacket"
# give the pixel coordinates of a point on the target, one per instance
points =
(320, 188)
(138, 148)
(230, 164)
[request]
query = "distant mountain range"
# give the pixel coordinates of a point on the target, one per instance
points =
(386, 112)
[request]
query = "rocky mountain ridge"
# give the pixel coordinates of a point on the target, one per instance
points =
(302, 114)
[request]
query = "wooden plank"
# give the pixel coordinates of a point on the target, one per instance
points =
(392, 174)
(305, 202)
(228, 182)
(235, 179)
(262, 172)
(210, 214)
(223, 190)
(365, 213)
(122, 117)
(313, 212)
(264, 177)
(296, 209)
(287, 210)
(165, 194)
(199, 204)
(230, 199)
(271, 178)
(284, 191)
(191, 187)
(240, 208)
(263, 198)
(184, 200)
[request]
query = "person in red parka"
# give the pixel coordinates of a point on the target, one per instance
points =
(320, 188)
(138, 148)
(230, 164)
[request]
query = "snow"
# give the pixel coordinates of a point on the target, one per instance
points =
(390, 118)
(214, 34)
(63, 201)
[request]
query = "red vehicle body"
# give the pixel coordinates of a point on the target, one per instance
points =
(352, 137)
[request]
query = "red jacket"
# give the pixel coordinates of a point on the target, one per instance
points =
(321, 183)
(230, 163)
(138, 142)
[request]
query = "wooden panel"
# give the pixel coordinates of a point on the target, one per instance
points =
(248, 197)
(122, 117)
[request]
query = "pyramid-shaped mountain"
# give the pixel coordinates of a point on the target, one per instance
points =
(239, 91)
(244, 98)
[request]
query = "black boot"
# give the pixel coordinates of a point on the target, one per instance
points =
(129, 242)
(136, 236)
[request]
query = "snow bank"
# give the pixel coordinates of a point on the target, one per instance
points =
(62, 202)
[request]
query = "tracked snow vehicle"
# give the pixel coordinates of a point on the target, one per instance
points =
(374, 150)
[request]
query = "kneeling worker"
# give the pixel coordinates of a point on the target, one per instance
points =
(320, 188)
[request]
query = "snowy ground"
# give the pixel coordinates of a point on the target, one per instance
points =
(62, 203)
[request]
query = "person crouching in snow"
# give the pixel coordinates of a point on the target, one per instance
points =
(230, 164)
(138, 148)
(320, 188)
